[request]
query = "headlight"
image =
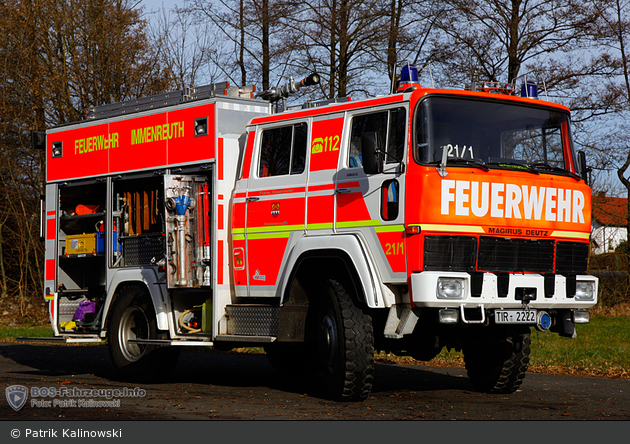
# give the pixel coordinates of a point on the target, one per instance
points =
(581, 317)
(448, 316)
(450, 288)
(584, 291)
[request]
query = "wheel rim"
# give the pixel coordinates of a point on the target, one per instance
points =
(134, 325)
(328, 341)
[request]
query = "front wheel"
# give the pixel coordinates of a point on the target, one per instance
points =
(345, 345)
(499, 364)
(133, 317)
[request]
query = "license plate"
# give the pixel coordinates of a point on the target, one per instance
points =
(515, 316)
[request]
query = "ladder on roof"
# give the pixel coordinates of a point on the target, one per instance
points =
(170, 98)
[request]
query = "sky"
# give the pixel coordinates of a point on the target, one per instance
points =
(158, 4)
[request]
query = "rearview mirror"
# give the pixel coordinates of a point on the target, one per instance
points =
(584, 169)
(372, 153)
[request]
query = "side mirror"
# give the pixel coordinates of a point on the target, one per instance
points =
(372, 153)
(584, 170)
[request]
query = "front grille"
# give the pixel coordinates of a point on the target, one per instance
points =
(450, 253)
(524, 255)
(571, 257)
(497, 254)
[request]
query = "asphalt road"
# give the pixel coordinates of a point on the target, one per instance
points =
(213, 386)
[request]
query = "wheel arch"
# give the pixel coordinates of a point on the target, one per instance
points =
(315, 267)
(345, 251)
(309, 273)
(124, 279)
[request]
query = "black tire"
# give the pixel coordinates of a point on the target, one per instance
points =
(499, 365)
(345, 345)
(133, 317)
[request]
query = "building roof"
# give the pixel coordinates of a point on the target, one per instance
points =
(612, 211)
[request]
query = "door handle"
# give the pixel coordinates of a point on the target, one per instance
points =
(252, 199)
(343, 190)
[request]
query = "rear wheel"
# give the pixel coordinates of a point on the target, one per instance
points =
(499, 364)
(133, 317)
(345, 345)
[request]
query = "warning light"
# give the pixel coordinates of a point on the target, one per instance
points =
(408, 78)
(201, 126)
(529, 89)
(409, 73)
(57, 149)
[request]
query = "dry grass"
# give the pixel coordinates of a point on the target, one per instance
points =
(622, 309)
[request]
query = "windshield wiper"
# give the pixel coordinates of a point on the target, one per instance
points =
(555, 169)
(519, 166)
(477, 163)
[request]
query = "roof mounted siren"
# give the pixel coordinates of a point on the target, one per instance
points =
(529, 89)
(408, 78)
(291, 87)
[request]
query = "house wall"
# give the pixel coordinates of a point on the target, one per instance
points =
(606, 237)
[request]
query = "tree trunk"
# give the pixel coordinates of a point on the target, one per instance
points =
(266, 58)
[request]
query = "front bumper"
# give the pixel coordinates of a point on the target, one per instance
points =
(492, 290)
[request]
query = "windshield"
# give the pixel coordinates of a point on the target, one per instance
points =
(493, 133)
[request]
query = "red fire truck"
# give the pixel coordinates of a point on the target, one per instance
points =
(408, 223)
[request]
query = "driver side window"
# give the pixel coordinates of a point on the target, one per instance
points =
(389, 124)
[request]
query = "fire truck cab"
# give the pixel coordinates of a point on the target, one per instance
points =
(411, 222)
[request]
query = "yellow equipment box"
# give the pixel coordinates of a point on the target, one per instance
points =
(81, 244)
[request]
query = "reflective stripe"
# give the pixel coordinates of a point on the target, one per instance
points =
(238, 233)
(389, 228)
(321, 226)
(451, 228)
(358, 223)
(572, 234)
(471, 229)
(274, 228)
(279, 235)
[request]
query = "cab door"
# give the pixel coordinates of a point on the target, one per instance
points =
(275, 204)
(326, 141)
(371, 204)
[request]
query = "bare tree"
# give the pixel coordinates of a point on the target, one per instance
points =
(254, 29)
(190, 50)
(58, 58)
(408, 27)
(612, 33)
(493, 39)
(336, 38)
(95, 52)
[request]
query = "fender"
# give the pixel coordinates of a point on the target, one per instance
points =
(146, 277)
(348, 245)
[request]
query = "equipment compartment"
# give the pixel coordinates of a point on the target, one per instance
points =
(188, 231)
(81, 274)
(138, 221)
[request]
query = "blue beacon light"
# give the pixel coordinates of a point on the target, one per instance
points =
(408, 77)
(529, 89)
